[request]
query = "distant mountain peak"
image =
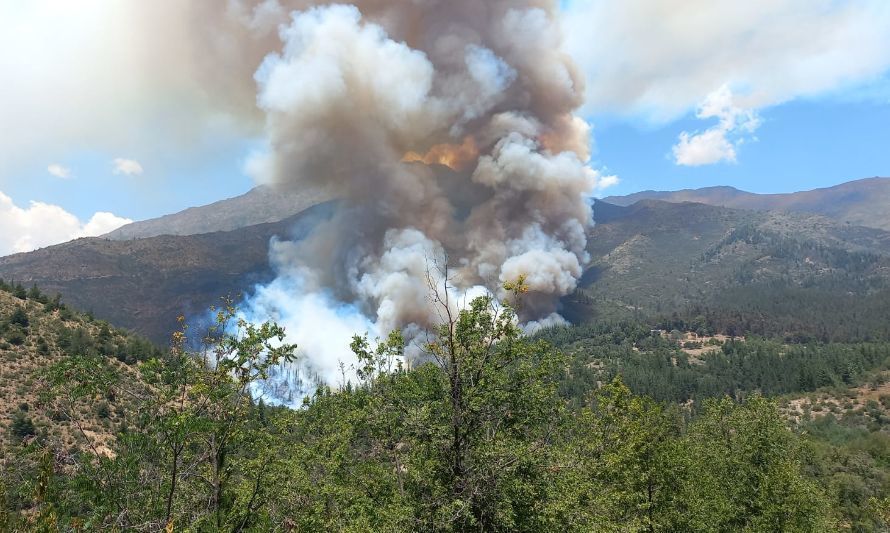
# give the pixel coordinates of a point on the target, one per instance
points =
(864, 202)
(261, 205)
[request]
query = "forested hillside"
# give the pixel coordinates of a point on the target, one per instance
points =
(608, 427)
(144, 284)
(735, 271)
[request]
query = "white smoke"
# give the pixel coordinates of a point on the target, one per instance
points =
(445, 129)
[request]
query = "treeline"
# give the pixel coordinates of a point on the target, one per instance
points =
(477, 439)
(796, 314)
(654, 365)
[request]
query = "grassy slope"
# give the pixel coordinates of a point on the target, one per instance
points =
(22, 368)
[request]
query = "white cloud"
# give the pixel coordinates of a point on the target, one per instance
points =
(41, 224)
(658, 59)
(719, 142)
(705, 148)
(59, 171)
(604, 182)
(129, 167)
(101, 223)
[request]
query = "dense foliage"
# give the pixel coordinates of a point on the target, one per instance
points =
(487, 435)
(652, 363)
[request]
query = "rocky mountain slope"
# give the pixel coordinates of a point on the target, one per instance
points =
(261, 205)
(863, 203)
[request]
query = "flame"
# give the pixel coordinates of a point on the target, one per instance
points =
(454, 156)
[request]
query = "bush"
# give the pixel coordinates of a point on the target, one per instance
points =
(34, 294)
(19, 292)
(22, 426)
(42, 346)
(19, 318)
(15, 337)
(53, 305)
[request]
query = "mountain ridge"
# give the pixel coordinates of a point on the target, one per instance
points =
(864, 202)
(261, 205)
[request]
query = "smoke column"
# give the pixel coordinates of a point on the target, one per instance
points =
(441, 126)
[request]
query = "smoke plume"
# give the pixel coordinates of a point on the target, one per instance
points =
(443, 128)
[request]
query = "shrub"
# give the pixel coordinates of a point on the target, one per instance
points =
(42, 346)
(15, 337)
(19, 318)
(20, 292)
(34, 293)
(22, 426)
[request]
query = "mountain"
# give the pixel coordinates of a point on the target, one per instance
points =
(863, 203)
(145, 284)
(650, 259)
(261, 205)
(771, 272)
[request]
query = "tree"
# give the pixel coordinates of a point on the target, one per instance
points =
(461, 442)
(22, 426)
(626, 444)
(499, 410)
(744, 473)
(19, 292)
(194, 440)
(34, 294)
(19, 318)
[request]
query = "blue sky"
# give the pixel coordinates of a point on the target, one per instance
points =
(765, 95)
(800, 145)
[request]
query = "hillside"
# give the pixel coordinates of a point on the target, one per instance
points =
(651, 259)
(862, 203)
(790, 271)
(96, 444)
(145, 284)
(261, 205)
(37, 332)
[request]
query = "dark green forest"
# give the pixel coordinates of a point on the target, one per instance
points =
(604, 427)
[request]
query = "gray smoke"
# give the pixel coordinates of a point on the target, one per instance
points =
(444, 127)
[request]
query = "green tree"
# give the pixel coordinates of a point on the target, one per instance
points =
(22, 426)
(19, 317)
(499, 410)
(745, 473)
(34, 294)
(626, 445)
(19, 292)
(195, 441)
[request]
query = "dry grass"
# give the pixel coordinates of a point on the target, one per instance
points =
(23, 385)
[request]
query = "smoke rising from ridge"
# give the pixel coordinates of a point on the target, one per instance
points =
(442, 127)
